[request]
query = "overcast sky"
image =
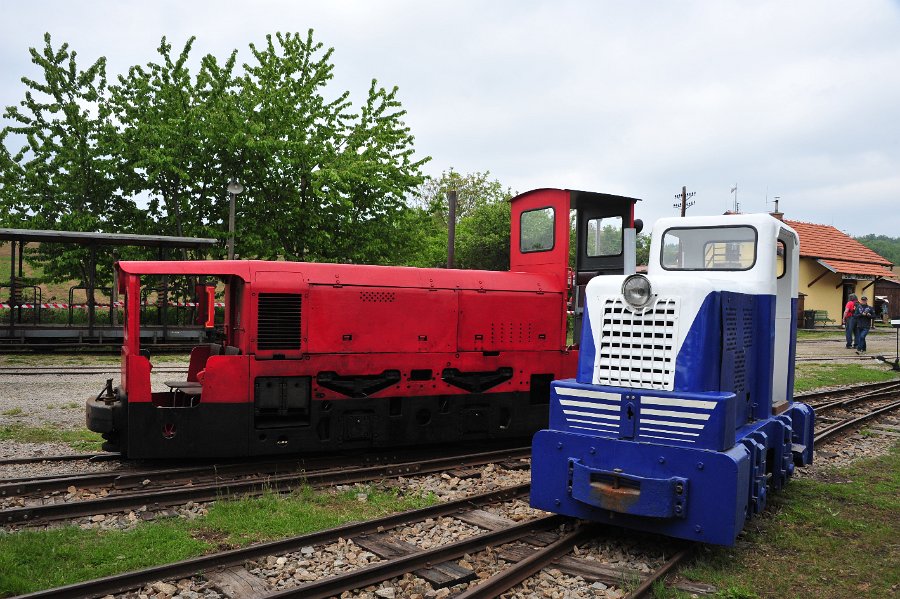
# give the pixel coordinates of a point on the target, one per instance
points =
(794, 99)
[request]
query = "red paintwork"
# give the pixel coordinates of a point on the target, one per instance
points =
(363, 320)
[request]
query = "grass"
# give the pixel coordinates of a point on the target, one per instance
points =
(35, 560)
(809, 375)
(81, 440)
(819, 334)
(832, 538)
(12, 412)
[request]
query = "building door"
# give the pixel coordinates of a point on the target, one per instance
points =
(845, 297)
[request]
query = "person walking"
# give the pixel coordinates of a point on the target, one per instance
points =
(865, 314)
(850, 321)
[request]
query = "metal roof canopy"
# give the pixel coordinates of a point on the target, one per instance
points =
(92, 241)
(88, 238)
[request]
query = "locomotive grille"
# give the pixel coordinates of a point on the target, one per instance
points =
(504, 333)
(638, 349)
(377, 296)
(278, 321)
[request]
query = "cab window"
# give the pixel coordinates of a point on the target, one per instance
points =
(779, 259)
(709, 248)
(604, 236)
(537, 228)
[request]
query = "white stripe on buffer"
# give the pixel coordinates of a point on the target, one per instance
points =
(670, 423)
(590, 415)
(662, 430)
(614, 426)
(590, 405)
(678, 403)
(667, 438)
(671, 414)
(590, 428)
(587, 393)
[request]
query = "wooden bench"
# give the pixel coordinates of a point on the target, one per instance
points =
(822, 316)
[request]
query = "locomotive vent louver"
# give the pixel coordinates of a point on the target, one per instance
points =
(637, 348)
(278, 321)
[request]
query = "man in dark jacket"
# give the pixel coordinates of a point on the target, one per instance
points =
(864, 315)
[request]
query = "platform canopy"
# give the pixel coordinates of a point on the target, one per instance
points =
(87, 238)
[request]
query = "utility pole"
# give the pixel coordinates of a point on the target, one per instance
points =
(684, 196)
(451, 227)
(234, 188)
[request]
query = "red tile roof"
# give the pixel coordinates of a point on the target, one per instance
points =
(855, 268)
(824, 241)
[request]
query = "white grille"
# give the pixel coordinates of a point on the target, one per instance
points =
(637, 349)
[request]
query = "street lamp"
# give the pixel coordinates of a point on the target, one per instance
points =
(234, 188)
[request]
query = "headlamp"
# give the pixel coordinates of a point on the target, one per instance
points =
(637, 291)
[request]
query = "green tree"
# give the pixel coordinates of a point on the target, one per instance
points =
(482, 216)
(482, 238)
(63, 175)
(884, 246)
(174, 140)
(323, 182)
(643, 249)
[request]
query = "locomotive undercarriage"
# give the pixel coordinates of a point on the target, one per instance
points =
(145, 430)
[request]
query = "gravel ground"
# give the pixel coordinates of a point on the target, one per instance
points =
(14, 449)
(49, 399)
(869, 442)
(57, 401)
(881, 341)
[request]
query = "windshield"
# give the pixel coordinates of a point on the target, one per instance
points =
(709, 248)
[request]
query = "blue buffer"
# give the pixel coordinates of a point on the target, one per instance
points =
(665, 462)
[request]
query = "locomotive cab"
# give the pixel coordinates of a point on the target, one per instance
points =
(681, 417)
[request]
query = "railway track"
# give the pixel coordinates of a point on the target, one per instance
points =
(78, 370)
(526, 546)
(75, 457)
(174, 488)
(151, 473)
(845, 410)
(819, 398)
(523, 549)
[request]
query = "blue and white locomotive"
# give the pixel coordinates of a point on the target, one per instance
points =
(681, 418)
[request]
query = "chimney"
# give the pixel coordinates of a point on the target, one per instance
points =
(777, 214)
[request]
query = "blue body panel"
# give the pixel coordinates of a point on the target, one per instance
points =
(713, 495)
(694, 462)
(587, 350)
(698, 420)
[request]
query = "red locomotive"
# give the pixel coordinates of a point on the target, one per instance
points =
(317, 357)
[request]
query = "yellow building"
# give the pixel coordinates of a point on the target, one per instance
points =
(832, 266)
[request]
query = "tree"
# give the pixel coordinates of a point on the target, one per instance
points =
(63, 176)
(323, 182)
(472, 190)
(482, 214)
(175, 140)
(884, 246)
(643, 249)
(482, 239)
